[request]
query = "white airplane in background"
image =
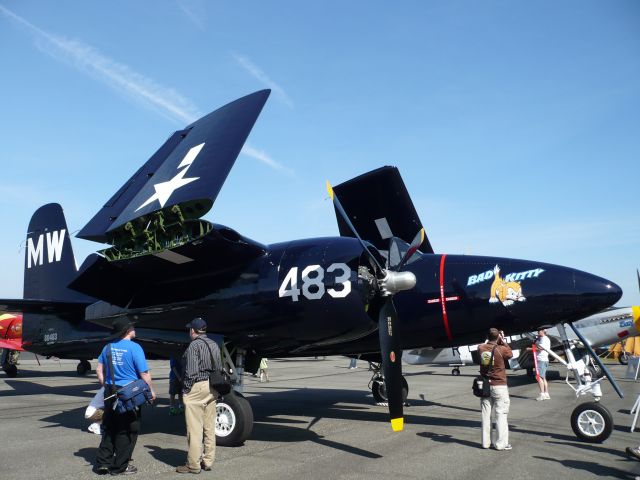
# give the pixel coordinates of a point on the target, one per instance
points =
(602, 329)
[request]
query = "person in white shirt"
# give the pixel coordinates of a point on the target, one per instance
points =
(542, 359)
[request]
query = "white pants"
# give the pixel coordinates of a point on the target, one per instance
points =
(495, 407)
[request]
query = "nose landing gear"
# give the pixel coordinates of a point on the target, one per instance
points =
(590, 421)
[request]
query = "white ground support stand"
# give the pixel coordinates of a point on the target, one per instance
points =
(632, 372)
(632, 368)
(634, 412)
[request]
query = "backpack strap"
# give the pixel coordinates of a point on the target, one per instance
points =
(111, 369)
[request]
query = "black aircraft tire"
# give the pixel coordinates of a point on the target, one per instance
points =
(455, 372)
(234, 420)
(11, 371)
(380, 392)
(596, 371)
(248, 424)
(592, 422)
(624, 358)
(83, 367)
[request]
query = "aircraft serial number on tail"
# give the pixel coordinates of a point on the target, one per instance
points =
(312, 279)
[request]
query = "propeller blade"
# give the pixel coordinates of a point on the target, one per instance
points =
(638, 273)
(391, 351)
(345, 217)
(413, 248)
(596, 359)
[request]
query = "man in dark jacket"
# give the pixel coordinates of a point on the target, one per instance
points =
(121, 362)
(200, 359)
(493, 357)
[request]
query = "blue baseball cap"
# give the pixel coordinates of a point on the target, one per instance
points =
(197, 324)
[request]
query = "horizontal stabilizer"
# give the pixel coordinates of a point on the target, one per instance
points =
(380, 208)
(187, 171)
(41, 306)
(11, 345)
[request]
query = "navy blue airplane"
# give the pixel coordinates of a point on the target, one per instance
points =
(373, 291)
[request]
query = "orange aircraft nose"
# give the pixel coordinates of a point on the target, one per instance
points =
(11, 331)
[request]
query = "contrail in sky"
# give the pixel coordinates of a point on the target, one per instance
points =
(116, 75)
(262, 77)
(124, 79)
(266, 159)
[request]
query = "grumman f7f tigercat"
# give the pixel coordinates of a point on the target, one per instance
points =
(375, 290)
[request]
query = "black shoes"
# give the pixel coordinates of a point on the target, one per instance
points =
(633, 453)
(103, 470)
(130, 470)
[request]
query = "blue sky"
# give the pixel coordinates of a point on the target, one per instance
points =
(515, 125)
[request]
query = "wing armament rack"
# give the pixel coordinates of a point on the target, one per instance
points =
(165, 229)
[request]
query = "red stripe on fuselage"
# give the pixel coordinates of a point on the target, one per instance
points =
(443, 300)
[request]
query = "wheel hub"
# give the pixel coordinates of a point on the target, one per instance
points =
(591, 423)
(225, 420)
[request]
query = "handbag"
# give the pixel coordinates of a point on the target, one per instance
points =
(218, 378)
(481, 386)
(133, 395)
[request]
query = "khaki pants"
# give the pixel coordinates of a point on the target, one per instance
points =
(200, 415)
(496, 407)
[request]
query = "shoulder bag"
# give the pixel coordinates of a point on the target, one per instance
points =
(481, 387)
(132, 395)
(218, 378)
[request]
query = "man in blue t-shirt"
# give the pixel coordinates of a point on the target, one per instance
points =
(121, 362)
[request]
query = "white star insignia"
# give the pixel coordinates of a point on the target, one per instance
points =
(164, 190)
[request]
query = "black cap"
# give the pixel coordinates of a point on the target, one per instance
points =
(197, 324)
(120, 326)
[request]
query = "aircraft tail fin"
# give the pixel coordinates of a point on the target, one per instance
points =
(49, 262)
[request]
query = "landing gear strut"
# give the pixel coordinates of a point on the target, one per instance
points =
(83, 367)
(234, 416)
(11, 370)
(378, 389)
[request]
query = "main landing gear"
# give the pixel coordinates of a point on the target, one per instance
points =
(234, 415)
(378, 389)
(11, 370)
(590, 421)
(8, 361)
(234, 419)
(83, 367)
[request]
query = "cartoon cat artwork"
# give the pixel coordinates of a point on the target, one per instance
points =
(505, 292)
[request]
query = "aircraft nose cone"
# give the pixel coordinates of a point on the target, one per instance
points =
(561, 294)
(595, 293)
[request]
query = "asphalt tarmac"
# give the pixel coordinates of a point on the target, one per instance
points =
(316, 419)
